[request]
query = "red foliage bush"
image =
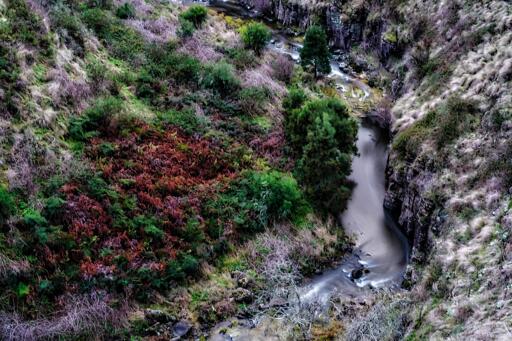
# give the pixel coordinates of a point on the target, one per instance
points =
(168, 173)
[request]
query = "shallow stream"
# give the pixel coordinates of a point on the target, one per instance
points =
(381, 251)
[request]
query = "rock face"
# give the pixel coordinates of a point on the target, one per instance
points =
(346, 25)
(405, 199)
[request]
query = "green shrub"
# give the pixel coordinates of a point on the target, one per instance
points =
(97, 118)
(9, 75)
(123, 41)
(53, 207)
(189, 265)
(298, 121)
(148, 225)
(455, 117)
(107, 149)
(183, 68)
(255, 36)
(162, 66)
(154, 232)
(25, 25)
(196, 14)
(443, 125)
(126, 11)
(33, 218)
(186, 29)
(408, 142)
(220, 78)
(253, 99)
(242, 58)
(174, 271)
(178, 269)
(185, 119)
(99, 189)
(98, 20)
(69, 27)
(148, 86)
(192, 233)
(259, 199)
(294, 100)
(7, 206)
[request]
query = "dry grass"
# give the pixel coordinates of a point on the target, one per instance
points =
(86, 315)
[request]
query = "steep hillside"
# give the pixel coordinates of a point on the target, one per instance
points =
(447, 65)
(145, 178)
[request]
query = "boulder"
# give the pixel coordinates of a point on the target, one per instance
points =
(241, 295)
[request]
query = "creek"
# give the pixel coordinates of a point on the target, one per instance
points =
(381, 252)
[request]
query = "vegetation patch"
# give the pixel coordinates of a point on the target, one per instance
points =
(443, 126)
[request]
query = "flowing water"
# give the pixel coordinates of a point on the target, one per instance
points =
(381, 251)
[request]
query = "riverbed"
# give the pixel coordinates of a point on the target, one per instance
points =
(380, 254)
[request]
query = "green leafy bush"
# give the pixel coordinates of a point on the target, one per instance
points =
(242, 58)
(196, 14)
(186, 29)
(69, 27)
(123, 41)
(39, 225)
(33, 218)
(24, 24)
(126, 11)
(7, 206)
(255, 36)
(183, 68)
(253, 99)
(443, 125)
(189, 265)
(95, 119)
(185, 119)
(53, 207)
(455, 117)
(294, 100)
(9, 75)
(220, 77)
(259, 199)
(163, 66)
(408, 142)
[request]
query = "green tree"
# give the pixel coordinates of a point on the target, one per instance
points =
(315, 52)
(324, 166)
(255, 36)
(322, 135)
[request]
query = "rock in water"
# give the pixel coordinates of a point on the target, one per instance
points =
(181, 329)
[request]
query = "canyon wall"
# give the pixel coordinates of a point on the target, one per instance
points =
(447, 66)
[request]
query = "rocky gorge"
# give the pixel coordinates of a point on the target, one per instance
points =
(445, 185)
(155, 181)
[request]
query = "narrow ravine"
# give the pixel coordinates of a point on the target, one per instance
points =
(380, 253)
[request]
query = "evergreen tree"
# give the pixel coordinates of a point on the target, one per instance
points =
(315, 52)
(322, 135)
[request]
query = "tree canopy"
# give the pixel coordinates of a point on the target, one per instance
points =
(255, 36)
(322, 135)
(315, 52)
